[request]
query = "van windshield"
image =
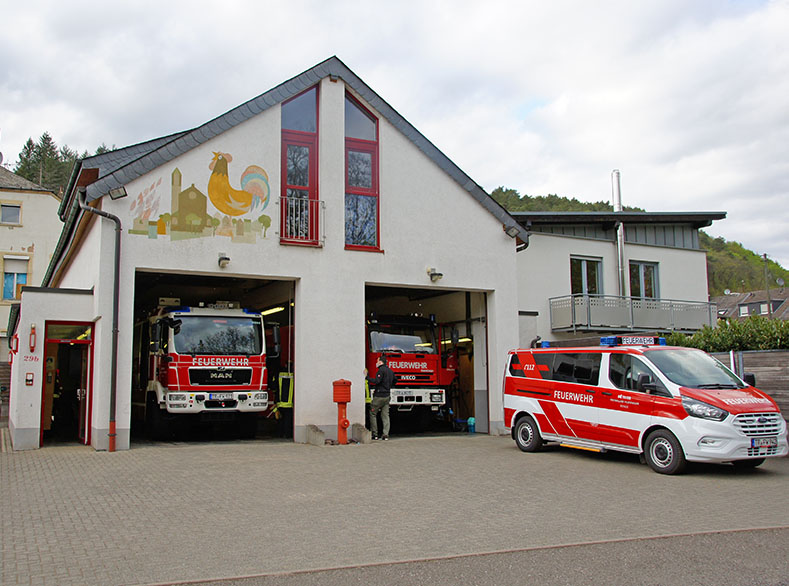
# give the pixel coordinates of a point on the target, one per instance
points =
(693, 368)
(218, 336)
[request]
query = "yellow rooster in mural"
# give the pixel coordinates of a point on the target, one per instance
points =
(254, 190)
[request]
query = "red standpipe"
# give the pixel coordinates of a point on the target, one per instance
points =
(342, 396)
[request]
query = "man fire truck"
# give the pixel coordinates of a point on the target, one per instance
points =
(204, 364)
(424, 371)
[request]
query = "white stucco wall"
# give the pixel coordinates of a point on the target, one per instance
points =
(426, 220)
(38, 307)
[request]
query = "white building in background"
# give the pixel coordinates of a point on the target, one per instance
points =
(576, 281)
(29, 229)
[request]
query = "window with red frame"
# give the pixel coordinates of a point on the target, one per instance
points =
(361, 177)
(299, 206)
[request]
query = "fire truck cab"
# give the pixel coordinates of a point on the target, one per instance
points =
(424, 370)
(635, 394)
(208, 363)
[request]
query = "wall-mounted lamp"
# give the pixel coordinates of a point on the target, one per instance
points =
(434, 274)
(334, 78)
(118, 192)
(223, 260)
(32, 339)
(512, 231)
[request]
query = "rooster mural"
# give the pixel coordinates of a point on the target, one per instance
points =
(233, 202)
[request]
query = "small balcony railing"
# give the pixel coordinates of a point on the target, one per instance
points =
(301, 221)
(599, 313)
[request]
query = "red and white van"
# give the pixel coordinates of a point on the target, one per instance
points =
(635, 394)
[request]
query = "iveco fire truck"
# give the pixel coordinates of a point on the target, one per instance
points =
(203, 364)
(424, 370)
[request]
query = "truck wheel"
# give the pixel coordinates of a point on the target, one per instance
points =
(527, 435)
(748, 464)
(663, 452)
(155, 424)
(248, 425)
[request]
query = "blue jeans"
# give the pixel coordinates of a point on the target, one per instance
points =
(379, 405)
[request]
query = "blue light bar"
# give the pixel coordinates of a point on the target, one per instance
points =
(632, 341)
(545, 344)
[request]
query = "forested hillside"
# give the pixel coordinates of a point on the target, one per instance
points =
(729, 264)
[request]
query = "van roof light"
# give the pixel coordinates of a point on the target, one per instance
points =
(632, 341)
(545, 344)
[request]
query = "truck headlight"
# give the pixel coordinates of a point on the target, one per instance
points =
(696, 408)
(436, 397)
(261, 396)
(176, 397)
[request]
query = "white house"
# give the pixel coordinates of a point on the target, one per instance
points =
(577, 278)
(346, 209)
(29, 228)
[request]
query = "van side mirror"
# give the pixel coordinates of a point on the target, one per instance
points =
(645, 384)
(749, 378)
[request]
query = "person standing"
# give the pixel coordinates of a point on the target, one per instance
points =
(382, 382)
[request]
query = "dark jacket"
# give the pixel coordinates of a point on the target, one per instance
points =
(383, 381)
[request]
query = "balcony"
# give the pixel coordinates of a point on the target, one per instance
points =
(602, 313)
(301, 221)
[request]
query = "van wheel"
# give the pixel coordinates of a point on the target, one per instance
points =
(663, 452)
(527, 435)
(748, 464)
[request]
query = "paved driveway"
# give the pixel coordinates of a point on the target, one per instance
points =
(189, 511)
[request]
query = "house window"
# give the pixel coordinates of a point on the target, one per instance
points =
(299, 201)
(585, 276)
(361, 177)
(10, 213)
(14, 276)
(763, 309)
(643, 279)
(743, 310)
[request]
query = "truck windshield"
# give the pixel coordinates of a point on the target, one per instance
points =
(694, 369)
(218, 336)
(406, 338)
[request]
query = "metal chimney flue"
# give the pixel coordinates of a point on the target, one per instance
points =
(620, 233)
(617, 190)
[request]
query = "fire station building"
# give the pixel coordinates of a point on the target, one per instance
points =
(314, 203)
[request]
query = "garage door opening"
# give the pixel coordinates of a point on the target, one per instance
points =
(207, 357)
(433, 340)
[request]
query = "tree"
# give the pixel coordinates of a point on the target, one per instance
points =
(47, 165)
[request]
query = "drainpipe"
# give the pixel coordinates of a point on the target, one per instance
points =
(115, 302)
(620, 233)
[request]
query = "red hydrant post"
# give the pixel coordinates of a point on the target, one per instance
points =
(342, 396)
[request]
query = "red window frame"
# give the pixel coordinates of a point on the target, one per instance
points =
(370, 147)
(310, 141)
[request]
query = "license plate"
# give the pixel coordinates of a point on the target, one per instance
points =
(764, 442)
(220, 396)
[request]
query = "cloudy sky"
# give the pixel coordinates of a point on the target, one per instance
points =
(688, 99)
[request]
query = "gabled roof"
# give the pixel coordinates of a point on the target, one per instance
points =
(118, 168)
(12, 182)
(728, 305)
